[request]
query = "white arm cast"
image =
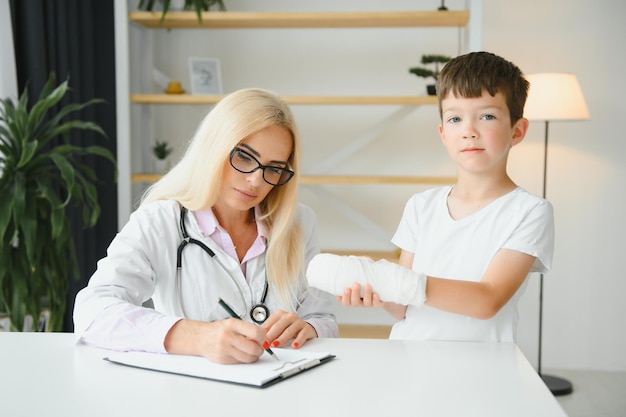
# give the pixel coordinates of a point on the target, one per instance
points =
(392, 282)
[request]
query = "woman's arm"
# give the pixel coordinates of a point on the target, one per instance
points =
(109, 312)
(314, 306)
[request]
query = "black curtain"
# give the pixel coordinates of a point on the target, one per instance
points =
(76, 40)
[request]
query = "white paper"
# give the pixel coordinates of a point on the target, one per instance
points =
(265, 370)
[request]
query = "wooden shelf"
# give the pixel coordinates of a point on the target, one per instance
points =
(391, 256)
(310, 100)
(250, 20)
(373, 179)
(364, 331)
(336, 179)
(145, 177)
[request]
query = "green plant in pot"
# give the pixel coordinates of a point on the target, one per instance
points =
(41, 174)
(198, 5)
(438, 61)
(161, 151)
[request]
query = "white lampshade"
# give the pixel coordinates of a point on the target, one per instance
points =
(555, 96)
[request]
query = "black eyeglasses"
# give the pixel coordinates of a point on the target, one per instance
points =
(243, 162)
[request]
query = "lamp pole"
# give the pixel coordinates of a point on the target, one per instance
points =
(556, 385)
(553, 97)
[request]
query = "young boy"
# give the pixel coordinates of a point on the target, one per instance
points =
(467, 249)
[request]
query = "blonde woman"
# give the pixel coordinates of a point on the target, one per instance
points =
(225, 224)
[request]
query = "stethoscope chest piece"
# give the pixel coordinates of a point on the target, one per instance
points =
(259, 313)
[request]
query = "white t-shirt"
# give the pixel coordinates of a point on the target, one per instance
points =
(462, 249)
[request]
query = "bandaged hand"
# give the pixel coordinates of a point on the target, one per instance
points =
(392, 282)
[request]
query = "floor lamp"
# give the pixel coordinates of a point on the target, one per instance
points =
(553, 97)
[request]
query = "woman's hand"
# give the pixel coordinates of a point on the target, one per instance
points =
(352, 297)
(282, 327)
(223, 341)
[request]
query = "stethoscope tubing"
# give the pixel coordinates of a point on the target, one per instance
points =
(186, 239)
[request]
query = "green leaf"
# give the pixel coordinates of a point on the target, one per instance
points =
(67, 171)
(27, 153)
(63, 129)
(429, 59)
(422, 72)
(5, 212)
(103, 152)
(18, 199)
(57, 220)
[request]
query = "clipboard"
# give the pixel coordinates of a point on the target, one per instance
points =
(261, 374)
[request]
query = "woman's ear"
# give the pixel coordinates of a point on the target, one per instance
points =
(519, 131)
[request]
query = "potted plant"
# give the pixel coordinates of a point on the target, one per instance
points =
(41, 174)
(161, 151)
(198, 5)
(439, 61)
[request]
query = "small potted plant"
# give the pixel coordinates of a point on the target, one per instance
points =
(161, 151)
(198, 5)
(439, 61)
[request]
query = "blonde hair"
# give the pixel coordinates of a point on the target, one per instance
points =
(195, 181)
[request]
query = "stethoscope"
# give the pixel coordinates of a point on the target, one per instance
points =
(258, 313)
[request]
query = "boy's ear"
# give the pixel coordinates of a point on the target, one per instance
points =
(519, 131)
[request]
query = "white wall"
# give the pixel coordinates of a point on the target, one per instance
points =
(583, 294)
(8, 78)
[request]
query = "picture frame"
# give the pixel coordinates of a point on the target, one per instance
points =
(205, 76)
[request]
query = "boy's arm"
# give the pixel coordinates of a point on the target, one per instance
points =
(483, 299)
(398, 311)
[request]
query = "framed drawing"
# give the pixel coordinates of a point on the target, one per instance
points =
(205, 76)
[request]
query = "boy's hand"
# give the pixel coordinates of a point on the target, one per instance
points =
(356, 297)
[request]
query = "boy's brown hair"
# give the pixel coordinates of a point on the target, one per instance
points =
(470, 74)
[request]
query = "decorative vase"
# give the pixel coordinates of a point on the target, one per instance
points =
(29, 324)
(174, 87)
(161, 166)
(431, 90)
(5, 323)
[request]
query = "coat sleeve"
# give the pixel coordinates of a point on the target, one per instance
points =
(109, 312)
(315, 306)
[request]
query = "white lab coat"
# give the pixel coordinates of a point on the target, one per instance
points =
(141, 265)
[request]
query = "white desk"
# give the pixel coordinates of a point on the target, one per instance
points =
(46, 374)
